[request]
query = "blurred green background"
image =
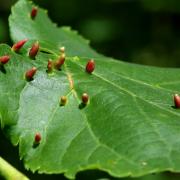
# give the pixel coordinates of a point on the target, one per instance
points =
(139, 31)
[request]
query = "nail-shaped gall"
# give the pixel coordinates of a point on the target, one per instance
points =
(60, 61)
(49, 66)
(34, 50)
(63, 100)
(177, 101)
(85, 98)
(17, 46)
(34, 12)
(30, 74)
(37, 138)
(4, 59)
(90, 66)
(62, 49)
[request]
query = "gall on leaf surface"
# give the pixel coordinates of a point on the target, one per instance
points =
(129, 127)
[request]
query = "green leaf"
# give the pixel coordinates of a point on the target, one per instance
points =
(129, 128)
(44, 30)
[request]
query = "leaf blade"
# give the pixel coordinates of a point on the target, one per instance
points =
(129, 127)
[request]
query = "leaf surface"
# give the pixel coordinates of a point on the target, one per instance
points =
(128, 128)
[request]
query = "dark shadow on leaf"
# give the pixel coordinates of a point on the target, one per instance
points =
(174, 107)
(93, 175)
(2, 69)
(82, 106)
(45, 52)
(35, 145)
(29, 79)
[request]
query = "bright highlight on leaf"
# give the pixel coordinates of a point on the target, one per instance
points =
(62, 49)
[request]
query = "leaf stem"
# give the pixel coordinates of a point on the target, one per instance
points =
(8, 172)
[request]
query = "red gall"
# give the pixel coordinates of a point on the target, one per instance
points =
(177, 101)
(37, 138)
(34, 50)
(34, 12)
(49, 66)
(90, 66)
(85, 98)
(62, 49)
(17, 46)
(4, 59)
(30, 73)
(60, 61)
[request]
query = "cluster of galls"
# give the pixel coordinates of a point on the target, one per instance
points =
(32, 54)
(57, 64)
(84, 99)
(90, 66)
(29, 74)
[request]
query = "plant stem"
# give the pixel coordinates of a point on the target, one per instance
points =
(8, 172)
